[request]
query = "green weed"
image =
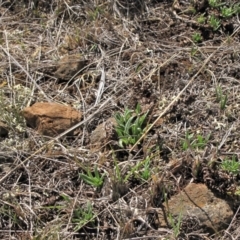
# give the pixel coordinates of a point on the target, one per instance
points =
(130, 126)
(215, 3)
(196, 37)
(218, 91)
(117, 172)
(139, 67)
(201, 19)
(146, 172)
(222, 99)
(119, 187)
(223, 102)
(227, 11)
(214, 23)
(94, 14)
(195, 142)
(138, 171)
(95, 179)
(187, 141)
(201, 141)
(176, 226)
(82, 216)
(237, 8)
(230, 165)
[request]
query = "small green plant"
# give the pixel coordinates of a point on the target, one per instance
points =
(176, 226)
(214, 23)
(218, 91)
(201, 19)
(146, 172)
(227, 11)
(187, 141)
(222, 99)
(130, 126)
(223, 102)
(119, 187)
(194, 51)
(138, 67)
(95, 180)
(83, 216)
(196, 142)
(230, 165)
(237, 8)
(201, 141)
(94, 14)
(143, 173)
(215, 3)
(197, 37)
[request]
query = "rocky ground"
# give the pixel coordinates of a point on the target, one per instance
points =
(77, 77)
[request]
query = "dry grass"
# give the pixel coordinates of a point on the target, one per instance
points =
(138, 52)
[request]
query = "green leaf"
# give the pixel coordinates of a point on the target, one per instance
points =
(96, 172)
(127, 114)
(66, 198)
(142, 119)
(134, 129)
(87, 179)
(119, 132)
(138, 109)
(185, 145)
(200, 138)
(95, 181)
(128, 125)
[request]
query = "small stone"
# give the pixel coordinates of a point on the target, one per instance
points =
(51, 119)
(102, 134)
(70, 65)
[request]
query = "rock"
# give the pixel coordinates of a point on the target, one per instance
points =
(102, 134)
(3, 130)
(197, 201)
(51, 119)
(70, 65)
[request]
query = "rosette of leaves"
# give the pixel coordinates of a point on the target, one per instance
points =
(130, 126)
(95, 180)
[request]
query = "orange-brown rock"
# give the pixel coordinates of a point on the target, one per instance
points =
(51, 119)
(70, 65)
(197, 202)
